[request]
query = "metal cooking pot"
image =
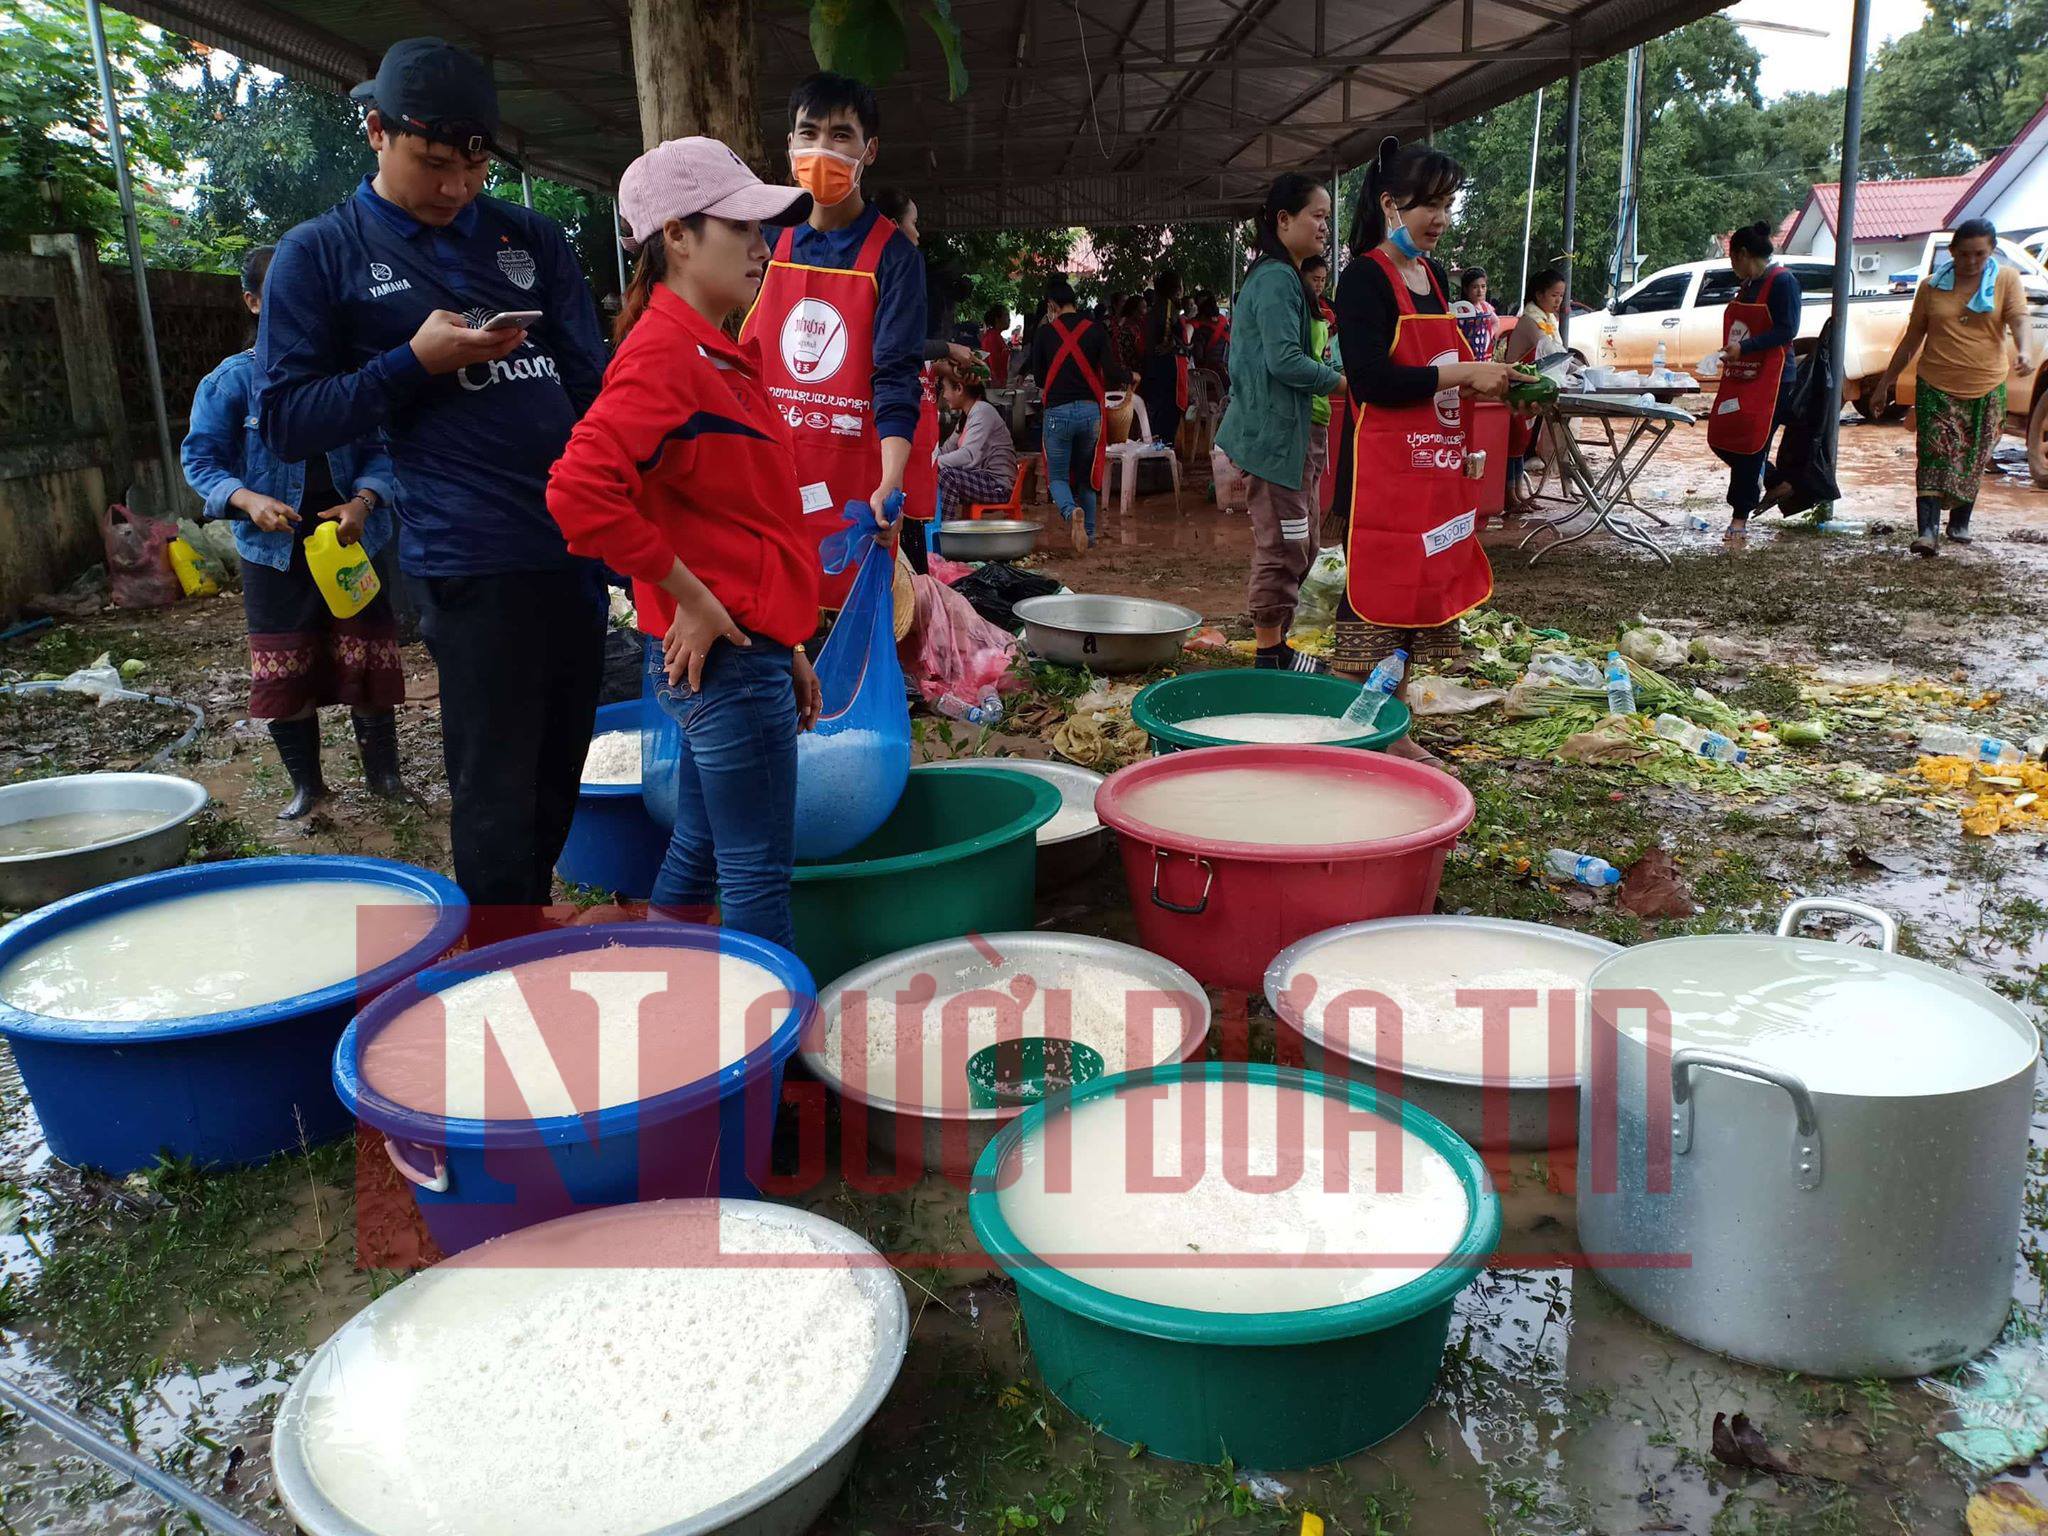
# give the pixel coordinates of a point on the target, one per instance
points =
(988, 538)
(1105, 634)
(1841, 1212)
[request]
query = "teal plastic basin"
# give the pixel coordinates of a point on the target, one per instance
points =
(1161, 706)
(1268, 1389)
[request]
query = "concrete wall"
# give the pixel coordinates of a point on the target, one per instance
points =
(76, 428)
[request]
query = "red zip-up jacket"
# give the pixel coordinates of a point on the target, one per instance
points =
(681, 457)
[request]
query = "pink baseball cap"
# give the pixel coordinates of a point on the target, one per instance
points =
(679, 177)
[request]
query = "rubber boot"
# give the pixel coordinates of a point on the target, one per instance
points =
(1927, 540)
(1959, 523)
(298, 745)
(377, 740)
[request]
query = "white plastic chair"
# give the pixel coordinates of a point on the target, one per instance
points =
(1126, 456)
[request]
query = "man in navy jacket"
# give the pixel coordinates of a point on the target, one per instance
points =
(373, 327)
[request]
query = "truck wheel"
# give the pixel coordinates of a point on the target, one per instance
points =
(1864, 389)
(2037, 440)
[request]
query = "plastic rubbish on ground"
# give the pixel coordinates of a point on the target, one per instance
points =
(940, 569)
(1432, 695)
(986, 710)
(139, 573)
(1649, 646)
(347, 581)
(101, 679)
(1315, 609)
(215, 542)
(1952, 741)
(1696, 524)
(1697, 738)
(193, 575)
(1621, 689)
(1846, 527)
(1614, 740)
(1998, 1413)
(1233, 485)
(996, 588)
(1581, 868)
(1566, 668)
(1379, 687)
(952, 651)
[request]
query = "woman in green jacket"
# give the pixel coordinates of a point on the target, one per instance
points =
(1275, 375)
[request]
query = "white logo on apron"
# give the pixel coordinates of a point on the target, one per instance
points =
(517, 265)
(813, 341)
(1444, 535)
(1446, 402)
(1738, 332)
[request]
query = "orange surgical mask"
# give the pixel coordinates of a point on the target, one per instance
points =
(827, 175)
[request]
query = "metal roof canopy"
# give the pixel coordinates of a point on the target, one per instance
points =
(1078, 111)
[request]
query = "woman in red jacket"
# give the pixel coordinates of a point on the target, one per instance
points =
(680, 476)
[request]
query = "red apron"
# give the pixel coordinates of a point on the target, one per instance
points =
(816, 327)
(1070, 351)
(1747, 402)
(1414, 558)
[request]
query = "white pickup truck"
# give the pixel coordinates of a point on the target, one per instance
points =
(1682, 306)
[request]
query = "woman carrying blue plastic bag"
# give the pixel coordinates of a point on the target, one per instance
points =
(680, 476)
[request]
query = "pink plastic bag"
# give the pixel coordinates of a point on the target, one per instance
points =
(951, 649)
(947, 571)
(139, 573)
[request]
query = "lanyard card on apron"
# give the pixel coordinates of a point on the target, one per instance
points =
(1070, 352)
(1414, 558)
(1746, 403)
(816, 327)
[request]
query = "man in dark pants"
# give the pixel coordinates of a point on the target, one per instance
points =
(374, 323)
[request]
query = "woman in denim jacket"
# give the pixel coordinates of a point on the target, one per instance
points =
(300, 655)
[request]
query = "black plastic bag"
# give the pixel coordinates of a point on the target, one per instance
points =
(997, 588)
(1806, 451)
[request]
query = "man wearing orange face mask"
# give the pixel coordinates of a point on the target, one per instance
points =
(841, 324)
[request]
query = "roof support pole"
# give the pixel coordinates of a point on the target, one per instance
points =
(1336, 221)
(1571, 201)
(1845, 220)
(619, 246)
(1529, 202)
(117, 148)
(525, 187)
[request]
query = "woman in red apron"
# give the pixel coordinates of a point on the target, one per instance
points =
(816, 329)
(1757, 330)
(1071, 358)
(1413, 559)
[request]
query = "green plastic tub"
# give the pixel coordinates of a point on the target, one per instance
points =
(1274, 1389)
(958, 855)
(1161, 706)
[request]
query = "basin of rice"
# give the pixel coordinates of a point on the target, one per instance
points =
(614, 758)
(898, 1033)
(608, 1374)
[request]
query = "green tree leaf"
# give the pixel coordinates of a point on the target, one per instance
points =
(861, 38)
(938, 15)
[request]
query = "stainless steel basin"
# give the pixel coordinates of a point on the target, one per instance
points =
(989, 538)
(33, 879)
(1106, 633)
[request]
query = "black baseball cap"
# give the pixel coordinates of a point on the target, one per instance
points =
(439, 91)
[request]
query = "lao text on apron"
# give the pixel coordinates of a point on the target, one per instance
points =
(1070, 353)
(1413, 559)
(1746, 404)
(816, 327)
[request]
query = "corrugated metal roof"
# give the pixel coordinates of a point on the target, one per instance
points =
(1894, 210)
(1079, 111)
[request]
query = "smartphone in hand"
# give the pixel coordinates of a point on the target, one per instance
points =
(511, 320)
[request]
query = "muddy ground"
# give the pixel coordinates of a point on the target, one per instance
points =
(172, 1309)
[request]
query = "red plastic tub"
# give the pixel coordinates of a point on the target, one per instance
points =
(1222, 910)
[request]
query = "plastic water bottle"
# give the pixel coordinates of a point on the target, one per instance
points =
(1657, 359)
(1372, 698)
(1696, 524)
(1621, 688)
(1697, 738)
(987, 711)
(1581, 867)
(1951, 741)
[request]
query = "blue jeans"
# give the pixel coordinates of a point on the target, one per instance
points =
(1070, 432)
(735, 832)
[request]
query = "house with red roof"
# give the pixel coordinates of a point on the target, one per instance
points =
(1893, 221)
(2012, 188)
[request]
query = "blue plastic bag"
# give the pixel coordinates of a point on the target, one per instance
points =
(851, 769)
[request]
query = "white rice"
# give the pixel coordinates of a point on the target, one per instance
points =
(1271, 727)
(517, 1399)
(614, 758)
(1068, 820)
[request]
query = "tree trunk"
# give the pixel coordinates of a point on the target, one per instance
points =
(694, 69)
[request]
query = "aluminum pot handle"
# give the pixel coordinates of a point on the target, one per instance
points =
(1159, 858)
(1887, 926)
(1806, 1154)
(437, 1181)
